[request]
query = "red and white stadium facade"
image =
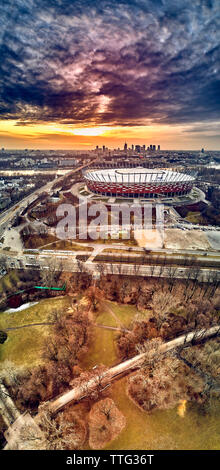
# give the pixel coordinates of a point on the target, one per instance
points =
(138, 182)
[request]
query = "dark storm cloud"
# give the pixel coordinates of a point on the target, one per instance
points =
(110, 62)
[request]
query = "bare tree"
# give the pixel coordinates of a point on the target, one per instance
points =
(51, 273)
(4, 262)
(80, 265)
(61, 434)
(105, 423)
(94, 295)
(100, 268)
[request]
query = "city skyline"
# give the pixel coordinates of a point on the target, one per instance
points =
(75, 75)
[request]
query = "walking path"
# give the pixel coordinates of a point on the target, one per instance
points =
(27, 326)
(111, 328)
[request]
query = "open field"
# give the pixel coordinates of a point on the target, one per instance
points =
(124, 312)
(164, 429)
(127, 242)
(37, 241)
(24, 345)
(114, 314)
(150, 239)
(102, 349)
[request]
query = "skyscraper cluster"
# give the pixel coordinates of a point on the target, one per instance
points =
(128, 150)
(142, 148)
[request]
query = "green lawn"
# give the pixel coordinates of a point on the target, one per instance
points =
(102, 349)
(125, 313)
(104, 317)
(24, 346)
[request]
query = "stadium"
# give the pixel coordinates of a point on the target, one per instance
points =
(138, 182)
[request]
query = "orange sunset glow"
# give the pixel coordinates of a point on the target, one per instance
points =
(55, 136)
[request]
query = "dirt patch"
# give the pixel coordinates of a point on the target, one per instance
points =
(12, 239)
(186, 240)
(150, 239)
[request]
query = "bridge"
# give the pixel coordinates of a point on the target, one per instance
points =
(24, 432)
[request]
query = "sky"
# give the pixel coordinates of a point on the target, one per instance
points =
(79, 73)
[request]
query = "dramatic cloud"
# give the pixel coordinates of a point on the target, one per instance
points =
(110, 62)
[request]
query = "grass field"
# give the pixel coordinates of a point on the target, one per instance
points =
(121, 312)
(24, 346)
(102, 349)
(105, 318)
(125, 313)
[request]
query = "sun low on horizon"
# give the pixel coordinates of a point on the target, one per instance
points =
(59, 136)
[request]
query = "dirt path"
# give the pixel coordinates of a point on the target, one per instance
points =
(27, 326)
(111, 328)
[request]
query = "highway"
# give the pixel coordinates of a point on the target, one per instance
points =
(176, 259)
(96, 269)
(7, 215)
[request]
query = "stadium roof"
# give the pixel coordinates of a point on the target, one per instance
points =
(136, 175)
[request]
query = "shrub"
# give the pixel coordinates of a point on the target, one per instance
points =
(3, 336)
